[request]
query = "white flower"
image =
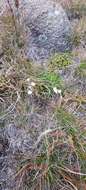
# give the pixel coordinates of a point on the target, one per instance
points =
(30, 87)
(33, 84)
(57, 90)
(28, 79)
(29, 92)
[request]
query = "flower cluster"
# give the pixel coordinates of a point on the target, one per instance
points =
(31, 84)
(57, 91)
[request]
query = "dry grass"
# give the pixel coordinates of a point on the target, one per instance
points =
(55, 165)
(61, 162)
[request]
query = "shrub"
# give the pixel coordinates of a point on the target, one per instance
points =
(60, 61)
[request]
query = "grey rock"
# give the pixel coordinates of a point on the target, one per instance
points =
(19, 140)
(46, 25)
(22, 140)
(48, 29)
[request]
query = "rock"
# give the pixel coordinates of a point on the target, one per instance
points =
(48, 29)
(19, 140)
(22, 140)
(46, 25)
(2, 7)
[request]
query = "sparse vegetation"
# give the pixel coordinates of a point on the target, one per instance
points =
(78, 8)
(76, 39)
(59, 146)
(81, 70)
(65, 118)
(54, 157)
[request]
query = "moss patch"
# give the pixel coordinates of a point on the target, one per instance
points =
(60, 61)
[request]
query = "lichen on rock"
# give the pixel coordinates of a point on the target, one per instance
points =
(48, 29)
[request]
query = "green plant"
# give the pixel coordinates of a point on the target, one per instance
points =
(52, 78)
(66, 120)
(78, 8)
(46, 81)
(60, 61)
(76, 39)
(81, 70)
(45, 165)
(55, 162)
(83, 65)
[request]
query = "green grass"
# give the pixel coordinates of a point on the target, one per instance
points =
(81, 70)
(66, 121)
(60, 149)
(54, 79)
(64, 117)
(76, 39)
(79, 8)
(83, 66)
(46, 81)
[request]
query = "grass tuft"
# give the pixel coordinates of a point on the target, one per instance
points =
(81, 70)
(46, 81)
